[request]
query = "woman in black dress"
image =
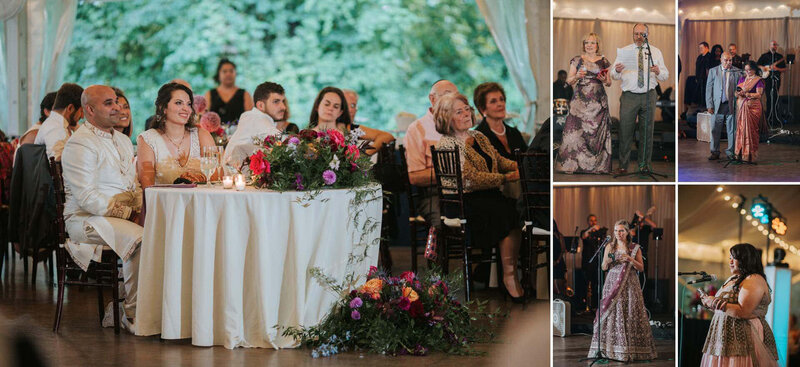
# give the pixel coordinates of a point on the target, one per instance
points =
(228, 100)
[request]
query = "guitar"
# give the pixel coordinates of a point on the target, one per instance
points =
(765, 69)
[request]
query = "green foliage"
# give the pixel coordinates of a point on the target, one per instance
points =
(389, 51)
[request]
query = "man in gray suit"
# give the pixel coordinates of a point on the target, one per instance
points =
(721, 102)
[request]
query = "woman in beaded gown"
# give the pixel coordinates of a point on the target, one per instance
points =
(586, 142)
(621, 327)
(739, 335)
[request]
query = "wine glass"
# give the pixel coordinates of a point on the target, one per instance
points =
(208, 165)
(216, 152)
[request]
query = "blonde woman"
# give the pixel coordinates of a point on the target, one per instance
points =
(621, 327)
(586, 142)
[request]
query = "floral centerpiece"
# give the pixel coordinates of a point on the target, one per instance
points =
(210, 121)
(409, 314)
(309, 160)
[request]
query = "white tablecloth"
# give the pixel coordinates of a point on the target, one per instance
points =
(223, 267)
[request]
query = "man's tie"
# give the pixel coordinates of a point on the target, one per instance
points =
(640, 81)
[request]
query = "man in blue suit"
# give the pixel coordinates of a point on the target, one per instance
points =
(721, 102)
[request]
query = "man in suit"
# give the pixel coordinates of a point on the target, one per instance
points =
(721, 103)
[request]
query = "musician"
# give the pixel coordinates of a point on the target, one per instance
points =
(592, 237)
(701, 67)
(736, 59)
(776, 65)
(562, 89)
(559, 261)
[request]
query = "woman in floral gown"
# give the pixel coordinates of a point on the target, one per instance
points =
(739, 335)
(586, 143)
(621, 327)
(748, 112)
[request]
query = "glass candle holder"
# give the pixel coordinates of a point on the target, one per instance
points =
(227, 182)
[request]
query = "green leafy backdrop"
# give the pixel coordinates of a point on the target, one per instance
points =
(390, 51)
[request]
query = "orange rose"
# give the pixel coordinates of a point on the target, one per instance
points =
(410, 294)
(373, 288)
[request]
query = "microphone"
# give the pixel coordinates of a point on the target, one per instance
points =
(692, 273)
(704, 278)
(644, 34)
(605, 241)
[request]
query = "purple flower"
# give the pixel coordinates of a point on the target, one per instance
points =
(356, 303)
(355, 315)
(294, 140)
(298, 181)
(329, 177)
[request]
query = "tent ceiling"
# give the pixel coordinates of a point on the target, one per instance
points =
(662, 12)
(707, 222)
(745, 9)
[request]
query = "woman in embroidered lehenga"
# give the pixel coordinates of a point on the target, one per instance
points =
(739, 335)
(171, 148)
(621, 327)
(748, 112)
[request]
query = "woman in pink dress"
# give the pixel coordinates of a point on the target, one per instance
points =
(748, 112)
(739, 335)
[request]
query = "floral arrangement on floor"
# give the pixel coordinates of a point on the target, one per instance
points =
(409, 314)
(310, 161)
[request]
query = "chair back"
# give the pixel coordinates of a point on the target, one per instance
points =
(61, 197)
(534, 176)
(389, 171)
(447, 168)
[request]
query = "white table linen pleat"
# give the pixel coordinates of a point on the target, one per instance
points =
(224, 267)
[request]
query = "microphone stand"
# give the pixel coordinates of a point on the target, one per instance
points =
(599, 355)
(643, 146)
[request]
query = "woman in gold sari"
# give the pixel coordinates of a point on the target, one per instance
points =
(748, 112)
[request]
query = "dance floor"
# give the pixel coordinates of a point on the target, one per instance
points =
(776, 163)
(665, 168)
(568, 352)
(82, 342)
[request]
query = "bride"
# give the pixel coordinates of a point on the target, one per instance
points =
(171, 147)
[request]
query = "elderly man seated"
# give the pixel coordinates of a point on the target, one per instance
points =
(103, 199)
(270, 106)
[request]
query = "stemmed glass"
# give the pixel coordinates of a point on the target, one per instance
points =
(209, 162)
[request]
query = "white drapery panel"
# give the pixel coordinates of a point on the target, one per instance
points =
(47, 33)
(568, 36)
(522, 33)
(750, 36)
(571, 206)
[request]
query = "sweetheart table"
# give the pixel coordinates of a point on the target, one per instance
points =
(223, 267)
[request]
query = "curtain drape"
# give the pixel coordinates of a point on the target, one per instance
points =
(751, 36)
(571, 206)
(521, 35)
(568, 35)
(50, 24)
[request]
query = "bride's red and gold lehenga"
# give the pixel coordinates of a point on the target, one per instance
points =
(626, 334)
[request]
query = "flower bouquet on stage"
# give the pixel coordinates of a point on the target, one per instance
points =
(409, 314)
(310, 161)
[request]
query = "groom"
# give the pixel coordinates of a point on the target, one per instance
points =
(721, 102)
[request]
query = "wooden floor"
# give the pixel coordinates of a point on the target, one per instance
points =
(665, 168)
(82, 342)
(570, 350)
(776, 163)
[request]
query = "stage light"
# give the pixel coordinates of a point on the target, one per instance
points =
(758, 210)
(719, 189)
(727, 198)
(764, 219)
(779, 226)
(748, 217)
(730, 7)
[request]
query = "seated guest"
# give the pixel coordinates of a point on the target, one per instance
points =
(492, 218)
(103, 198)
(331, 112)
(63, 120)
(270, 106)
(490, 99)
(149, 122)
(124, 117)
(420, 136)
(352, 102)
(44, 112)
(172, 147)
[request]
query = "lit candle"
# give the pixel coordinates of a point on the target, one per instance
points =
(239, 182)
(227, 182)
